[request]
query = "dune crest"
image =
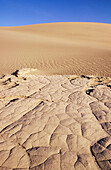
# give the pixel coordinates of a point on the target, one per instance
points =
(60, 48)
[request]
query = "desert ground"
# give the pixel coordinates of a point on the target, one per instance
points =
(58, 48)
(57, 122)
(55, 97)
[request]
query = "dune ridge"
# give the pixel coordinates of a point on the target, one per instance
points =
(57, 48)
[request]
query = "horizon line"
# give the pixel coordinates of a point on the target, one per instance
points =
(44, 23)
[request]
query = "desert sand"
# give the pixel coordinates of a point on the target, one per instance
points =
(57, 122)
(55, 97)
(60, 48)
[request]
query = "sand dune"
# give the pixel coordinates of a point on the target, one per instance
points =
(57, 122)
(60, 48)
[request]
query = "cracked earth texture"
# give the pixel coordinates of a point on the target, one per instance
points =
(55, 122)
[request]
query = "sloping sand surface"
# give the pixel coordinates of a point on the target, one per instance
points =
(55, 122)
(60, 48)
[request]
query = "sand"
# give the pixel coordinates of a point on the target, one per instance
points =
(55, 122)
(59, 48)
(55, 107)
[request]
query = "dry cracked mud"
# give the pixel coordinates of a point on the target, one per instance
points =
(55, 122)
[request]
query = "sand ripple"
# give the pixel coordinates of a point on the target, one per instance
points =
(61, 48)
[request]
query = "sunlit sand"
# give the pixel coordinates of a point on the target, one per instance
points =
(59, 48)
(55, 122)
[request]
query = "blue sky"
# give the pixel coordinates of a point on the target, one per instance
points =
(26, 12)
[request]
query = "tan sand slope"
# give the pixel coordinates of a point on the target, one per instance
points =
(55, 122)
(60, 48)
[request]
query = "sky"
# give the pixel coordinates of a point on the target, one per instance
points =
(27, 12)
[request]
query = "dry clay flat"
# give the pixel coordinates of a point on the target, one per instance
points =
(55, 122)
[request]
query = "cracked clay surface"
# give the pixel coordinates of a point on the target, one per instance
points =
(55, 122)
